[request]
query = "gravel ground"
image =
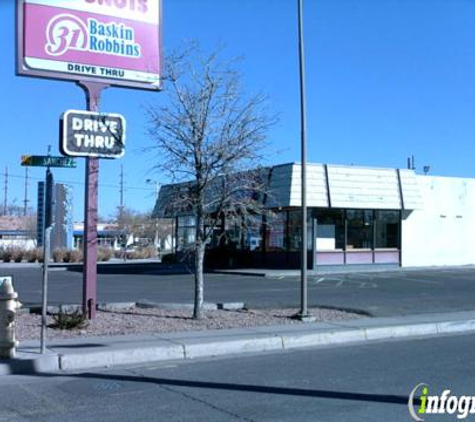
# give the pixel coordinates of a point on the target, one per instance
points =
(143, 321)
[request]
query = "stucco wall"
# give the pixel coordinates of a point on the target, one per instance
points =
(443, 231)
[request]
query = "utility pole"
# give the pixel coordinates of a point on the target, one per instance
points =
(5, 195)
(121, 207)
(303, 271)
(120, 221)
(25, 208)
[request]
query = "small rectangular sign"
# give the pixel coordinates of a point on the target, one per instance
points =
(114, 42)
(90, 134)
(47, 161)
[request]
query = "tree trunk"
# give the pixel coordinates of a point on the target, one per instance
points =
(199, 281)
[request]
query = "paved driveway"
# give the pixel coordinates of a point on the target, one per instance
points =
(381, 294)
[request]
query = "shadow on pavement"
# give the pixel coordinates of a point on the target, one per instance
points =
(287, 391)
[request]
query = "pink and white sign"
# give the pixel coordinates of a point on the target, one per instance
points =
(110, 41)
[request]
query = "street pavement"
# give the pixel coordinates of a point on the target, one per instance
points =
(384, 293)
(367, 382)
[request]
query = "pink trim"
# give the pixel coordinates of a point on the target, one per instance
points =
(359, 257)
(386, 257)
(330, 258)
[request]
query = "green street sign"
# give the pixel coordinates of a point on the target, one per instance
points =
(47, 161)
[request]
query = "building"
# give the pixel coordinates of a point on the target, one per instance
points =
(356, 216)
(16, 231)
(108, 236)
(62, 210)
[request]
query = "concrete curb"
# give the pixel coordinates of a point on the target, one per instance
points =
(124, 306)
(104, 352)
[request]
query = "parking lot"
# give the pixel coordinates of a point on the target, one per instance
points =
(391, 293)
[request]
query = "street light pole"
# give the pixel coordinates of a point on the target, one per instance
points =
(157, 192)
(303, 272)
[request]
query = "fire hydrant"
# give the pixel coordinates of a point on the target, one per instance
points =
(9, 306)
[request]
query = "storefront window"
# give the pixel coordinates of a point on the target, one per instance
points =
(295, 231)
(387, 226)
(275, 231)
(233, 233)
(330, 230)
(187, 221)
(252, 231)
(360, 229)
(185, 232)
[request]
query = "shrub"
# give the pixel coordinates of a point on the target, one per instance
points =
(69, 321)
(150, 251)
(58, 254)
(18, 254)
(139, 254)
(7, 254)
(73, 255)
(104, 254)
(33, 255)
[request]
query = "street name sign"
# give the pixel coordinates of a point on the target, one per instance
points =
(47, 161)
(91, 134)
(114, 42)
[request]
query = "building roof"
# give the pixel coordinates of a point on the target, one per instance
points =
(329, 186)
(12, 222)
(340, 186)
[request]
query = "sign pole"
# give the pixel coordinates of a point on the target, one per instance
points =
(44, 296)
(49, 186)
(89, 299)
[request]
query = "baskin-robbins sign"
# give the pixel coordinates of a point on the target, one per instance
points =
(115, 42)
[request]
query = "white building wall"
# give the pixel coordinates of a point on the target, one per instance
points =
(443, 231)
(18, 243)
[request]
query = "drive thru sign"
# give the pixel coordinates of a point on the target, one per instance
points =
(90, 134)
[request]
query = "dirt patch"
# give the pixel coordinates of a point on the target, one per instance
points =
(147, 321)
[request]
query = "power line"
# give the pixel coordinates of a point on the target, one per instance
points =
(70, 182)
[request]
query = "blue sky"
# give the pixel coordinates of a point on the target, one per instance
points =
(386, 79)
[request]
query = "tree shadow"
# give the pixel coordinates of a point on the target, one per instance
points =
(286, 391)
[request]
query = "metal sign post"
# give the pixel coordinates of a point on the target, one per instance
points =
(47, 161)
(89, 299)
(44, 307)
(49, 183)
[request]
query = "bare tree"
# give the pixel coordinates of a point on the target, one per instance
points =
(141, 224)
(210, 134)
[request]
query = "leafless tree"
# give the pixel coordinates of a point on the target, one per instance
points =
(210, 134)
(142, 225)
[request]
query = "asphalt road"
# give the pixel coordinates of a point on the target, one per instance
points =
(381, 294)
(352, 383)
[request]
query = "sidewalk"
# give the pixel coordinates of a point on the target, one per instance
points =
(104, 352)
